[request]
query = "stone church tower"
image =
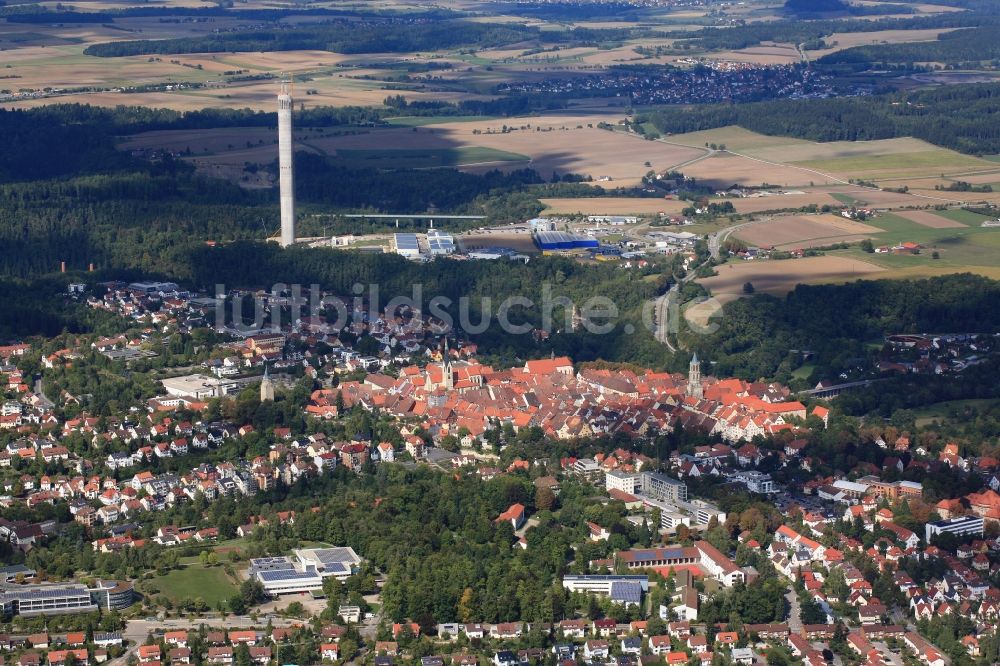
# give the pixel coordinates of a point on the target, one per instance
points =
(266, 387)
(694, 388)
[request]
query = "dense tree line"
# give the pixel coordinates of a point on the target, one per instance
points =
(60, 17)
(970, 46)
(320, 180)
(813, 8)
(55, 15)
(340, 36)
(958, 117)
(37, 308)
(485, 284)
(911, 391)
(797, 31)
(756, 335)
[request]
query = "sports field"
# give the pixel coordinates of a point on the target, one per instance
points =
(193, 581)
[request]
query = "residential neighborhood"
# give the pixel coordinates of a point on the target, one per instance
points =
(697, 519)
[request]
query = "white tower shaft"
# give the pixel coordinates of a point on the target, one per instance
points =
(286, 179)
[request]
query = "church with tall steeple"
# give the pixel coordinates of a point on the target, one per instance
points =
(447, 373)
(694, 388)
(266, 387)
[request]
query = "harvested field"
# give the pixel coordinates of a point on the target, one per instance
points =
(839, 150)
(799, 231)
(475, 145)
(330, 92)
(612, 206)
(846, 40)
(562, 144)
(776, 54)
(896, 164)
(780, 277)
(627, 54)
(879, 199)
(783, 202)
(734, 137)
(725, 170)
(928, 219)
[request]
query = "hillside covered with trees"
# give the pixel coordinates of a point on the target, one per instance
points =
(956, 117)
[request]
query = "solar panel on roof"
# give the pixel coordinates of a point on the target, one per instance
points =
(406, 241)
(336, 567)
(276, 575)
(626, 592)
(53, 593)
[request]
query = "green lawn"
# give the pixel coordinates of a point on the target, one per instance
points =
(976, 245)
(958, 248)
(844, 198)
(804, 371)
(940, 410)
(426, 158)
(192, 581)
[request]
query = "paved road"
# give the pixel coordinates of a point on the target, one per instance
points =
(45, 401)
(795, 614)
(891, 658)
(667, 305)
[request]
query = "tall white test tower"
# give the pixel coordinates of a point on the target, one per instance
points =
(286, 178)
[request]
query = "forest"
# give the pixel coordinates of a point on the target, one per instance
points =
(797, 31)
(836, 323)
(962, 118)
(343, 36)
(966, 48)
(86, 202)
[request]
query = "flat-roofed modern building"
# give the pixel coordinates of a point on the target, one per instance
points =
(662, 487)
(606, 585)
(406, 245)
(756, 482)
(58, 599)
(623, 481)
(305, 571)
(588, 469)
(29, 600)
(113, 594)
(439, 243)
(961, 526)
(196, 387)
(560, 240)
(340, 563)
